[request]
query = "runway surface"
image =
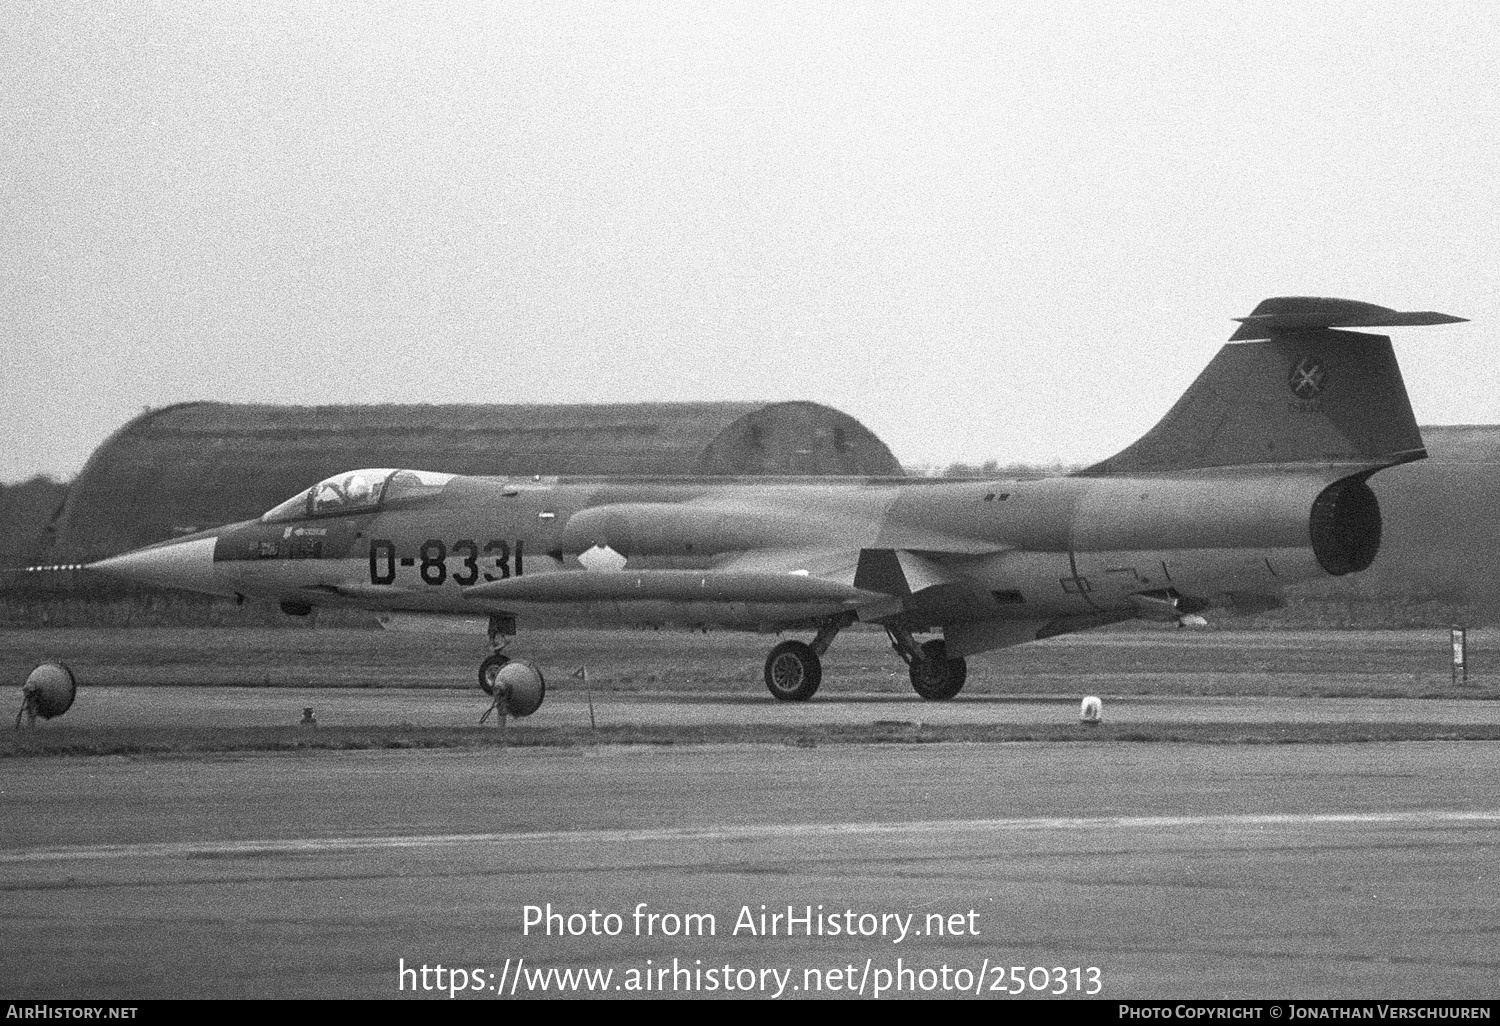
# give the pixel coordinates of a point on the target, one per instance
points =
(1174, 870)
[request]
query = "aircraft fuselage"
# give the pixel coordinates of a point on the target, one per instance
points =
(1017, 550)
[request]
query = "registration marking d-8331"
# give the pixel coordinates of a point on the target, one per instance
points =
(506, 558)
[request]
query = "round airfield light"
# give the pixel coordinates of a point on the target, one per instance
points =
(49, 690)
(521, 685)
(1091, 712)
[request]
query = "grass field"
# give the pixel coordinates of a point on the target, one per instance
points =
(190, 742)
(1145, 660)
(88, 603)
(1124, 661)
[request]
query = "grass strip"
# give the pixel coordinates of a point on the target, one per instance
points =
(171, 742)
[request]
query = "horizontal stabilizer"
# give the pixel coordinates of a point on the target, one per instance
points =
(1282, 314)
(666, 586)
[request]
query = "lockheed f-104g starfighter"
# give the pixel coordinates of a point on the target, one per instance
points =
(1254, 480)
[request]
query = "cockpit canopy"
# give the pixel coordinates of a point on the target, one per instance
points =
(357, 490)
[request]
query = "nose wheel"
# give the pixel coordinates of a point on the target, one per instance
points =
(500, 630)
(489, 672)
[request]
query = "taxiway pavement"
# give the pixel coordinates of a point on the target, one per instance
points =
(1175, 870)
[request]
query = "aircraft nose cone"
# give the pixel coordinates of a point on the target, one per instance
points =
(184, 564)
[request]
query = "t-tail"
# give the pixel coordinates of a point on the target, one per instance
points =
(1290, 388)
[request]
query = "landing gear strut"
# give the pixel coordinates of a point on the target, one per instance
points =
(501, 630)
(794, 669)
(515, 684)
(934, 676)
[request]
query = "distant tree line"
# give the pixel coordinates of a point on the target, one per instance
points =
(993, 469)
(26, 511)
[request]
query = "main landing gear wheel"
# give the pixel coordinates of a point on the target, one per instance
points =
(793, 671)
(936, 677)
(489, 670)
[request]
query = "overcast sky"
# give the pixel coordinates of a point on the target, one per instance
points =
(989, 231)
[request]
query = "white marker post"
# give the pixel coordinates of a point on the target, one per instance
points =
(1460, 636)
(582, 673)
(1091, 712)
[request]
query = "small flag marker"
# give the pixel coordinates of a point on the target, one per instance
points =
(582, 673)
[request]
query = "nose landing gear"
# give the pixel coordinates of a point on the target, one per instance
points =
(516, 685)
(489, 671)
(501, 630)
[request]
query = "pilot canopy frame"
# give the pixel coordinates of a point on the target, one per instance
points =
(358, 490)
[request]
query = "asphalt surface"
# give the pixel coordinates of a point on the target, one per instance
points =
(1174, 870)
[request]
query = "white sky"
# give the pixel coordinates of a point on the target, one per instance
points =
(986, 230)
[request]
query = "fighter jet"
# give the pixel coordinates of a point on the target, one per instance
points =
(1254, 480)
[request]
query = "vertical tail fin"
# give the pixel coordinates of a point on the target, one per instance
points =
(1289, 388)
